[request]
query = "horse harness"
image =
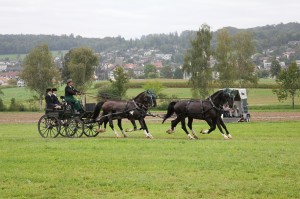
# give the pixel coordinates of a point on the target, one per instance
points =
(141, 108)
(202, 112)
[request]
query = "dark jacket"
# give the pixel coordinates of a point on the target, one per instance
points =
(70, 91)
(55, 99)
(49, 101)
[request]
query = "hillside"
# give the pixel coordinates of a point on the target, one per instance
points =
(265, 37)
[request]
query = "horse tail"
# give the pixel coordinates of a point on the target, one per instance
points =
(97, 109)
(170, 111)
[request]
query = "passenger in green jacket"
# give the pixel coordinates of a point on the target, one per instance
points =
(70, 91)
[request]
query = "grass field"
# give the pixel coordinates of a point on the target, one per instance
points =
(262, 161)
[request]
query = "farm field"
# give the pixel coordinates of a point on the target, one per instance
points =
(262, 161)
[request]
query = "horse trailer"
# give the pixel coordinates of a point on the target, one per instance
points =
(239, 112)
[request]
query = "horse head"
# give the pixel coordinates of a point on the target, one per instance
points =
(229, 95)
(146, 98)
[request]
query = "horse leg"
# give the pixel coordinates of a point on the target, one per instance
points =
(121, 128)
(111, 124)
(221, 130)
(144, 126)
(173, 125)
(209, 122)
(102, 120)
(133, 124)
(224, 127)
(190, 125)
(212, 124)
(184, 128)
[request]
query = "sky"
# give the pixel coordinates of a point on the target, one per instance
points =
(134, 18)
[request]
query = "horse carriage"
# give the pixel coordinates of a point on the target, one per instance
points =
(67, 123)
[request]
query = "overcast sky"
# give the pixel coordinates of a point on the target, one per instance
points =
(134, 18)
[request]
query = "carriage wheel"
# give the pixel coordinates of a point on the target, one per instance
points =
(48, 126)
(90, 129)
(74, 128)
(64, 128)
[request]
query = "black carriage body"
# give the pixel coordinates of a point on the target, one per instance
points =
(67, 123)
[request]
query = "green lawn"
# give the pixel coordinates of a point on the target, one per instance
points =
(262, 161)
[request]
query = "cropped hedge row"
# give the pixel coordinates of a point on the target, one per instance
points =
(185, 85)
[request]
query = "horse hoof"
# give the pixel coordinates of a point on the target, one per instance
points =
(204, 131)
(229, 136)
(191, 137)
(196, 137)
(225, 137)
(101, 130)
(169, 131)
(128, 130)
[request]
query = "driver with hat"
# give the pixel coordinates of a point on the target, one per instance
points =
(70, 91)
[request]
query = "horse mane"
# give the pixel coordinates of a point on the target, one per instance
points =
(215, 94)
(139, 95)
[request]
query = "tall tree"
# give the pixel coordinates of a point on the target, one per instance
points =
(79, 66)
(196, 62)
(244, 48)
(225, 64)
(289, 83)
(120, 83)
(39, 71)
(275, 67)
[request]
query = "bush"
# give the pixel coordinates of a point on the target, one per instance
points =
(107, 92)
(2, 106)
(165, 100)
(14, 106)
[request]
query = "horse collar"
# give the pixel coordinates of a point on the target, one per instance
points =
(214, 106)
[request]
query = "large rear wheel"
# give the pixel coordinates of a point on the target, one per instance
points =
(48, 126)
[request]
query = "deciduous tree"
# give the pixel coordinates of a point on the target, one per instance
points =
(275, 68)
(225, 64)
(79, 65)
(120, 83)
(289, 83)
(39, 71)
(196, 62)
(244, 48)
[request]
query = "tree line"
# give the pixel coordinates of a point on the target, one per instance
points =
(264, 37)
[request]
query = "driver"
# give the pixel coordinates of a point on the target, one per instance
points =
(70, 91)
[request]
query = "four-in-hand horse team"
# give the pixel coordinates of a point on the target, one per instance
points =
(70, 117)
(209, 110)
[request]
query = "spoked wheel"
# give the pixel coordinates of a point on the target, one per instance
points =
(48, 127)
(90, 129)
(74, 128)
(64, 128)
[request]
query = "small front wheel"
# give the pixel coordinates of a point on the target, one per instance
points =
(91, 129)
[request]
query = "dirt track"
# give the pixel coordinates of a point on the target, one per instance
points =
(23, 117)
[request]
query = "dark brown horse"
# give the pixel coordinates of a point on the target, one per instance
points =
(135, 109)
(209, 110)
